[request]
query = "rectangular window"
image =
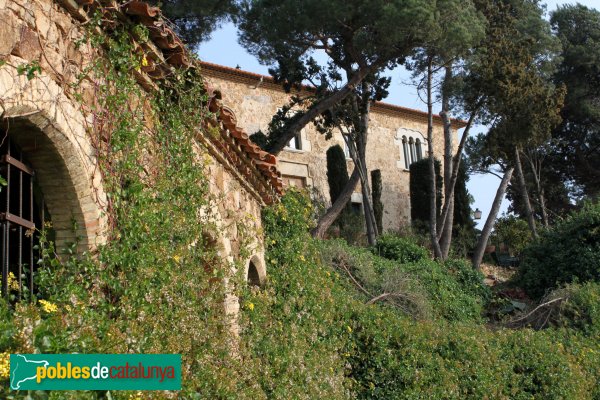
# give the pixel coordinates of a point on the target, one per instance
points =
(296, 142)
(346, 148)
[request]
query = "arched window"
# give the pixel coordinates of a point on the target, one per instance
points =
(412, 150)
(253, 277)
(419, 150)
(413, 153)
(406, 152)
(21, 213)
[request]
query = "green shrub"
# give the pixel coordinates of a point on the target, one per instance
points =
(450, 290)
(393, 358)
(568, 253)
(377, 187)
(401, 249)
(581, 309)
(293, 329)
(456, 292)
(337, 171)
(420, 179)
(513, 232)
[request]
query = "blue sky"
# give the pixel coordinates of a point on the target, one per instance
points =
(224, 49)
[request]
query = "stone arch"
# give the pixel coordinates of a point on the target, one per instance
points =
(255, 271)
(50, 130)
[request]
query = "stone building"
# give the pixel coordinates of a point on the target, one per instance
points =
(49, 159)
(397, 138)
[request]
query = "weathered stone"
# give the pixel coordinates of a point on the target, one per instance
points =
(53, 63)
(28, 45)
(55, 129)
(254, 105)
(9, 32)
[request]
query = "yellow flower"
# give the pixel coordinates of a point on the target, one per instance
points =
(4, 365)
(250, 306)
(13, 284)
(136, 396)
(144, 61)
(302, 258)
(48, 306)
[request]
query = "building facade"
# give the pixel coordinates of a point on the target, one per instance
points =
(397, 137)
(49, 140)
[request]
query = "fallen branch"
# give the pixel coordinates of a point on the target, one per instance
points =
(541, 313)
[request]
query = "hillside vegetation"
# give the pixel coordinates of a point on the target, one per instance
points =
(320, 327)
(313, 335)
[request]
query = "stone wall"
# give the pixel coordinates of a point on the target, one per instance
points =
(255, 99)
(45, 116)
(41, 116)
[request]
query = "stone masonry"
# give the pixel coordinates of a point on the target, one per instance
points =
(43, 115)
(255, 99)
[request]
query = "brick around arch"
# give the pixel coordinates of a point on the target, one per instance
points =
(49, 128)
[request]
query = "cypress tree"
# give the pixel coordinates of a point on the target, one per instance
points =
(376, 185)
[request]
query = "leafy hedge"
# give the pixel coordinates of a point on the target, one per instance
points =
(307, 334)
(568, 253)
(401, 249)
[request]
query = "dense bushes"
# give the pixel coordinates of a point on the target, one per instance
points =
(450, 290)
(568, 253)
(401, 249)
(580, 310)
(394, 358)
(308, 333)
(512, 232)
(420, 181)
(293, 329)
(311, 335)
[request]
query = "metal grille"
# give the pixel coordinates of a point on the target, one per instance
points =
(19, 218)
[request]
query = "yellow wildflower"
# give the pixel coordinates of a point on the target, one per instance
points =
(48, 306)
(302, 258)
(144, 61)
(13, 284)
(136, 396)
(250, 306)
(4, 365)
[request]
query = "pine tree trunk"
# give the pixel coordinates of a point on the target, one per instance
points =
(446, 239)
(365, 108)
(524, 193)
(540, 191)
(448, 223)
(337, 207)
(437, 252)
(489, 222)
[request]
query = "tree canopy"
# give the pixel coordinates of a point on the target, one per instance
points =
(577, 139)
(357, 39)
(195, 20)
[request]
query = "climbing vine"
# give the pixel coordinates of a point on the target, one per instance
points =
(158, 284)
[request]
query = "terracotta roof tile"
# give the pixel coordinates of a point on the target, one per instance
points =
(258, 167)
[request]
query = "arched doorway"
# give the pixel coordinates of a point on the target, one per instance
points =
(22, 215)
(253, 278)
(256, 273)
